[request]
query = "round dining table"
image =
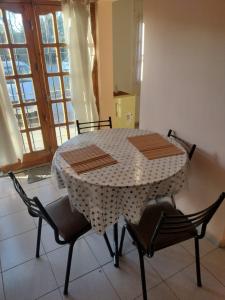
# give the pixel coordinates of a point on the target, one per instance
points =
(121, 189)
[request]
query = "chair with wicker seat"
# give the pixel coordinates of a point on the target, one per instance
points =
(162, 225)
(66, 224)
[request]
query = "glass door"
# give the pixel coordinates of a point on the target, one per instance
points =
(36, 65)
(25, 90)
(56, 68)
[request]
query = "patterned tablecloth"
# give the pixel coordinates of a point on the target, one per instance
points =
(125, 188)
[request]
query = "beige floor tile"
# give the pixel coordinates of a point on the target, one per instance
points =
(29, 280)
(127, 278)
(46, 193)
(215, 263)
(18, 249)
(99, 248)
(15, 224)
(6, 187)
(171, 260)
(28, 186)
(205, 246)
(83, 261)
(48, 239)
(2, 296)
(93, 286)
(55, 295)
(160, 292)
(184, 285)
(11, 204)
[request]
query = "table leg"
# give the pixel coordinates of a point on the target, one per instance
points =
(116, 253)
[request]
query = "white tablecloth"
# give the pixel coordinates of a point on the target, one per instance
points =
(125, 188)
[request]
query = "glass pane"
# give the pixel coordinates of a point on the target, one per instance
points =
(66, 81)
(61, 135)
(27, 89)
(19, 116)
(6, 61)
(70, 111)
(47, 29)
(31, 112)
(60, 27)
(51, 60)
(25, 143)
(22, 60)
(73, 130)
(58, 113)
(12, 91)
(16, 29)
(3, 37)
(55, 87)
(64, 55)
(36, 140)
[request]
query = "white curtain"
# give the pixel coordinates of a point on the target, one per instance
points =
(11, 148)
(78, 36)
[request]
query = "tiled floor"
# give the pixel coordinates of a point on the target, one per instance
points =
(170, 273)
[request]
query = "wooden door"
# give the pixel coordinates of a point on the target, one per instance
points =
(36, 66)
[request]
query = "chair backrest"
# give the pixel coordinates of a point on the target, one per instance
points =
(83, 126)
(187, 146)
(34, 206)
(182, 224)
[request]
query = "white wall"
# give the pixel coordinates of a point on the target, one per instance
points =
(184, 89)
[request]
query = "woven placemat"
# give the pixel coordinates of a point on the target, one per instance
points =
(77, 156)
(87, 158)
(170, 150)
(154, 146)
(94, 164)
(148, 141)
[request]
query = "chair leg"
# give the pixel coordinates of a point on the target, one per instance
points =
(69, 260)
(38, 237)
(142, 267)
(197, 261)
(173, 201)
(122, 240)
(108, 245)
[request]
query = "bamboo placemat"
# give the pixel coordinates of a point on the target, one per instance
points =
(170, 150)
(154, 146)
(94, 164)
(88, 158)
(78, 156)
(148, 141)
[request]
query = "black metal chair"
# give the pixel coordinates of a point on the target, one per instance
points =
(162, 225)
(93, 125)
(190, 149)
(65, 223)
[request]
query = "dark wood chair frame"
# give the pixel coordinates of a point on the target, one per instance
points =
(172, 225)
(37, 210)
(95, 124)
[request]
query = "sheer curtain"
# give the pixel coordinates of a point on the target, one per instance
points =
(11, 148)
(78, 36)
